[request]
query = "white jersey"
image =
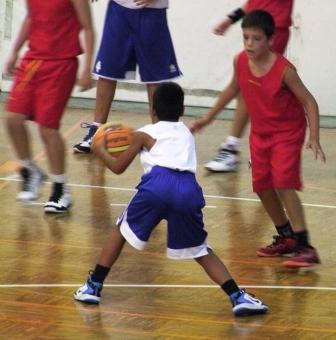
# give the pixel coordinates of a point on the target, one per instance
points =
(132, 5)
(174, 147)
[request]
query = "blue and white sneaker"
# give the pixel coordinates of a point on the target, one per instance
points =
(89, 292)
(227, 160)
(244, 304)
(85, 145)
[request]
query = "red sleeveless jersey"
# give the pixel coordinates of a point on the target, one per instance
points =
(53, 31)
(271, 106)
(281, 10)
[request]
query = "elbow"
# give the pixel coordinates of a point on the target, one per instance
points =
(117, 170)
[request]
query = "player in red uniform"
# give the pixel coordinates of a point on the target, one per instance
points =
(228, 158)
(276, 101)
(42, 87)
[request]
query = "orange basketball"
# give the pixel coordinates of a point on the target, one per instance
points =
(118, 137)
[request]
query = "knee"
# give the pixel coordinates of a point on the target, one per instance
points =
(48, 134)
(15, 119)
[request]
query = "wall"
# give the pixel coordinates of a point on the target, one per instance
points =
(206, 59)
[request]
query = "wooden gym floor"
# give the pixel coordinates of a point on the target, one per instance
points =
(44, 258)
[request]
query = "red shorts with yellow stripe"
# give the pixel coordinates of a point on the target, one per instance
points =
(41, 90)
(276, 160)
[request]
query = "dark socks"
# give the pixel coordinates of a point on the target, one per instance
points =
(302, 239)
(100, 273)
(285, 230)
(230, 287)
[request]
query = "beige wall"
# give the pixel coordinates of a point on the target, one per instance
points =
(206, 59)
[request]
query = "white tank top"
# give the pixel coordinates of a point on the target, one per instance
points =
(174, 147)
(131, 4)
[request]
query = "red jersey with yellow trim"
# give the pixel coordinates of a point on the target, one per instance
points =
(53, 31)
(272, 107)
(281, 10)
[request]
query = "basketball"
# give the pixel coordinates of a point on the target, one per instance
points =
(118, 137)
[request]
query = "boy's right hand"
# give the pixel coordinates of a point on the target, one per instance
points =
(222, 26)
(10, 64)
(317, 149)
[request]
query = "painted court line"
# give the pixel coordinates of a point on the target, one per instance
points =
(73, 285)
(243, 199)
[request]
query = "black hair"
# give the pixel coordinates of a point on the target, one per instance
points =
(260, 19)
(168, 102)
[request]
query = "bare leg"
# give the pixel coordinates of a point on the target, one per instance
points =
(273, 206)
(18, 134)
(240, 118)
(150, 92)
(54, 145)
(294, 209)
(111, 249)
(214, 267)
(104, 98)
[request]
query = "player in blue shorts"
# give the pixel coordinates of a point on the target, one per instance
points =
(168, 191)
(135, 35)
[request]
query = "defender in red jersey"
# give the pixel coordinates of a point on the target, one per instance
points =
(278, 104)
(43, 83)
(228, 158)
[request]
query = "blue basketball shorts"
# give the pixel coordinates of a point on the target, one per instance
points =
(136, 37)
(165, 194)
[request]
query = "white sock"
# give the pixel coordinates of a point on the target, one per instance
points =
(234, 143)
(58, 178)
(28, 164)
(96, 124)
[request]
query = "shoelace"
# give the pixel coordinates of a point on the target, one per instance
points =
(88, 137)
(276, 240)
(28, 183)
(224, 154)
(25, 184)
(57, 192)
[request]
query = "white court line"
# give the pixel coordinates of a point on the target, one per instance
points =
(11, 179)
(124, 205)
(73, 285)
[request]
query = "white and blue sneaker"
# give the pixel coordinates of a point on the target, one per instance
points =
(89, 292)
(227, 160)
(244, 304)
(85, 145)
(32, 181)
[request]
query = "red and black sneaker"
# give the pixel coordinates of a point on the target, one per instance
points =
(280, 246)
(305, 257)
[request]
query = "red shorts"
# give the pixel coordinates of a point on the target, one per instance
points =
(276, 160)
(41, 90)
(280, 40)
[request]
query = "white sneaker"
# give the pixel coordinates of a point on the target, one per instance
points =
(226, 160)
(59, 201)
(32, 181)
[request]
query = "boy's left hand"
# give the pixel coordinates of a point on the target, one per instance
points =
(98, 146)
(85, 81)
(317, 150)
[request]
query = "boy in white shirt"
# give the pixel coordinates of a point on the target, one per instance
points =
(168, 190)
